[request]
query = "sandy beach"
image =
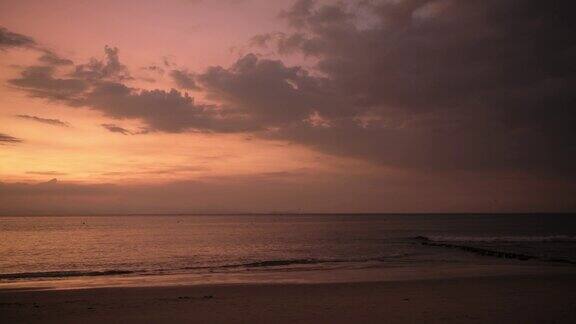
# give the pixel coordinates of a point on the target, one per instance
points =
(518, 299)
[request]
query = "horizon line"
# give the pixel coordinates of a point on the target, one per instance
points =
(287, 214)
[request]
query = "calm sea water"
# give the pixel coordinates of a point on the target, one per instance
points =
(206, 249)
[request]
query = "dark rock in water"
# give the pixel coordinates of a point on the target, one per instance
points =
(208, 297)
(492, 253)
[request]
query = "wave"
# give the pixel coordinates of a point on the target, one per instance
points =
(500, 239)
(261, 264)
(62, 274)
(273, 264)
(278, 263)
(289, 262)
(491, 252)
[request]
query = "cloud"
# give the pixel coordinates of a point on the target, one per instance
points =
(154, 68)
(10, 39)
(49, 121)
(111, 68)
(270, 92)
(170, 171)
(298, 12)
(7, 139)
(228, 2)
(121, 130)
(167, 111)
(425, 85)
(52, 58)
(47, 173)
(305, 191)
(39, 81)
(459, 85)
(184, 79)
(116, 129)
(52, 187)
(253, 95)
(100, 86)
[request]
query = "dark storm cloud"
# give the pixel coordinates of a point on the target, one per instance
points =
(116, 129)
(298, 13)
(184, 79)
(270, 92)
(49, 121)
(7, 139)
(427, 55)
(446, 84)
(10, 39)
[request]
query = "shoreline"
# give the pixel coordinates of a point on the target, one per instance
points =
(293, 276)
(496, 299)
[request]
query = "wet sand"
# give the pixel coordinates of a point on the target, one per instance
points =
(519, 299)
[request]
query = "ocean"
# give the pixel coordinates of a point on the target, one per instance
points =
(97, 251)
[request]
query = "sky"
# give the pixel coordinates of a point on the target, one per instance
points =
(258, 106)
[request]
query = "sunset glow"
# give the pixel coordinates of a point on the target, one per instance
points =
(261, 106)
